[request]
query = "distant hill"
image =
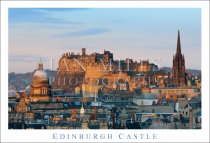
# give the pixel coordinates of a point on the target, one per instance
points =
(19, 81)
(194, 72)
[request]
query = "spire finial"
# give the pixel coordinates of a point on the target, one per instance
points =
(178, 50)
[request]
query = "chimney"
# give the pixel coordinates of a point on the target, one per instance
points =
(83, 51)
(191, 118)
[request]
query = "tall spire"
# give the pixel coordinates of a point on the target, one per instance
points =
(178, 69)
(178, 50)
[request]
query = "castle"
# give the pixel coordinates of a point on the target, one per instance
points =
(82, 71)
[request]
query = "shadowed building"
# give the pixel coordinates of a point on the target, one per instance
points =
(178, 69)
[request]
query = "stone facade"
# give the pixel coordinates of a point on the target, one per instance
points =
(77, 70)
(188, 91)
(40, 89)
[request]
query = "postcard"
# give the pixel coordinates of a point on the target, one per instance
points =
(105, 71)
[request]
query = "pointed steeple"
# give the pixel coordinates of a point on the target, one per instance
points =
(178, 69)
(178, 50)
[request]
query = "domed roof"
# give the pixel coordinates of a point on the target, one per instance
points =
(40, 74)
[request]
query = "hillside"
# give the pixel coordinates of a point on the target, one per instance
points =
(19, 81)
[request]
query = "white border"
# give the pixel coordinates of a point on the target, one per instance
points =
(163, 135)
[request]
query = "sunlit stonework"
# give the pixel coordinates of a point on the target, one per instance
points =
(40, 88)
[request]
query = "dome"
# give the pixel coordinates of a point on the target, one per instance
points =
(41, 74)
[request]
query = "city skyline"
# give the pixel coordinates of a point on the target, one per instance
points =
(48, 33)
(91, 88)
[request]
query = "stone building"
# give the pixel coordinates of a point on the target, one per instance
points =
(89, 90)
(77, 70)
(143, 66)
(40, 89)
(187, 91)
(74, 69)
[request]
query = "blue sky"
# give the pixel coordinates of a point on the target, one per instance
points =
(138, 33)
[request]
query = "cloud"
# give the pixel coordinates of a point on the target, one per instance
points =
(50, 20)
(27, 58)
(87, 32)
(33, 15)
(60, 9)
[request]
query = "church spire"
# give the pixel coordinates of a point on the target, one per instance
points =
(178, 50)
(178, 69)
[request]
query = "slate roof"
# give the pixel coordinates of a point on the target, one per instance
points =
(194, 105)
(37, 116)
(35, 126)
(12, 104)
(198, 113)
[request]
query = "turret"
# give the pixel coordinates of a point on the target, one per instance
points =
(83, 51)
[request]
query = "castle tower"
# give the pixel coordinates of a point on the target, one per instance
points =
(83, 51)
(178, 69)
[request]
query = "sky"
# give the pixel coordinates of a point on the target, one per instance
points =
(137, 33)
